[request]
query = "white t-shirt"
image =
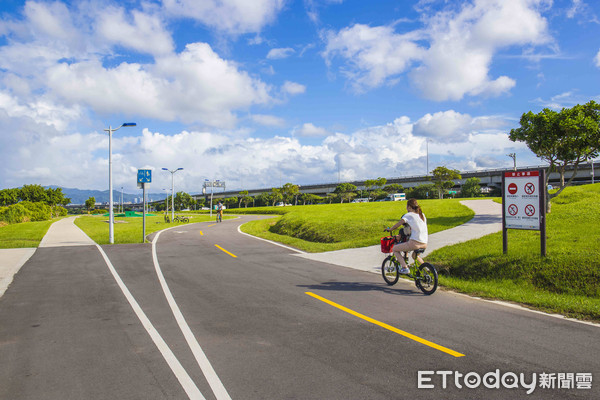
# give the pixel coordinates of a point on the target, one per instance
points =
(418, 227)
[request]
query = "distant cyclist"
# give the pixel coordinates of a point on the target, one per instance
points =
(418, 233)
(220, 212)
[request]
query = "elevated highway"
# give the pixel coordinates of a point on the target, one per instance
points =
(491, 178)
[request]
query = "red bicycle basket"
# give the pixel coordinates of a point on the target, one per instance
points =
(387, 243)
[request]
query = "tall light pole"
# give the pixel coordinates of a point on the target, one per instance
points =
(514, 157)
(111, 214)
(173, 190)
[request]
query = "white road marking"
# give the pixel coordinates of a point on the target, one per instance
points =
(207, 369)
(182, 376)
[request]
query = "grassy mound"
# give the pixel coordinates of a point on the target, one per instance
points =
(340, 226)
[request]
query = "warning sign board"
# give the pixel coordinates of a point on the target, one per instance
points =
(522, 200)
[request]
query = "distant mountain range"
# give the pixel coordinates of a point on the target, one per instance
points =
(79, 196)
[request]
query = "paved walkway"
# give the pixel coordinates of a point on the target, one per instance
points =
(488, 219)
(65, 233)
(61, 233)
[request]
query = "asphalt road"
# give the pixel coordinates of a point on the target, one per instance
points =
(68, 331)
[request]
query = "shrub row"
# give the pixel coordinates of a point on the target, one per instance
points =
(26, 211)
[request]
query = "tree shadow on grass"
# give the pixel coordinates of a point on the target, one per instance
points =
(362, 287)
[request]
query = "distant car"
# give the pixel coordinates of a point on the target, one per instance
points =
(205, 208)
(280, 204)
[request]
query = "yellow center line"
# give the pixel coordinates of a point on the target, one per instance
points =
(211, 225)
(231, 254)
(388, 327)
(201, 233)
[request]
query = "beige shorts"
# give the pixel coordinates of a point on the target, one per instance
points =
(411, 245)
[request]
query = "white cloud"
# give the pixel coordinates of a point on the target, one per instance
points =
(308, 129)
(193, 86)
(597, 59)
(146, 33)
(447, 125)
(38, 153)
(462, 46)
(373, 54)
(276, 54)
(65, 56)
(229, 16)
(268, 120)
(293, 88)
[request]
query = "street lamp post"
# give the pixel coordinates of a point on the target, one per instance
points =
(111, 214)
(514, 157)
(173, 190)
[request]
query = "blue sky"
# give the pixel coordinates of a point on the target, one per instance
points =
(272, 91)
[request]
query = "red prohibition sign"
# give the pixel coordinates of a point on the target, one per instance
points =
(529, 210)
(512, 188)
(529, 188)
(513, 209)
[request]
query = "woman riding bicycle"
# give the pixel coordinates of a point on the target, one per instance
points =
(418, 233)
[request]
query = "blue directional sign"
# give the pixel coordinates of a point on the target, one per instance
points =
(144, 176)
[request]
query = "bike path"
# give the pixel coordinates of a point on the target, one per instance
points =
(61, 233)
(487, 220)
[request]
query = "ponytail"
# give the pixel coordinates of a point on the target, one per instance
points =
(412, 203)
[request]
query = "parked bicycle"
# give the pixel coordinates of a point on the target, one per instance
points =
(425, 275)
(181, 219)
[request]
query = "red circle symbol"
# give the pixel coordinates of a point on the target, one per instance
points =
(512, 188)
(513, 209)
(529, 210)
(529, 188)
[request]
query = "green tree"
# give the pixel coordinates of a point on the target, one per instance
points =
(568, 137)
(242, 194)
(394, 188)
(380, 182)
(422, 191)
(310, 198)
(33, 193)
(230, 201)
(90, 203)
(276, 196)
(345, 191)
(56, 197)
(471, 188)
(182, 200)
(290, 193)
(442, 178)
(9, 197)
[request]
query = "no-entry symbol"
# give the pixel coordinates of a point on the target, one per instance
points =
(512, 188)
(529, 188)
(529, 210)
(513, 209)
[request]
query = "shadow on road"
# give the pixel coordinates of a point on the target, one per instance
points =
(362, 287)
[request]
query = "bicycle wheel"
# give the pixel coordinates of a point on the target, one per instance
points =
(389, 271)
(427, 280)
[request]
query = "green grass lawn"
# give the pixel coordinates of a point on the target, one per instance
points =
(129, 230)
(340, 226)
(26, 234)
(566, 281)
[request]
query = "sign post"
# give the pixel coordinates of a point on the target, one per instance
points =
(144, 176)
(524, 204)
